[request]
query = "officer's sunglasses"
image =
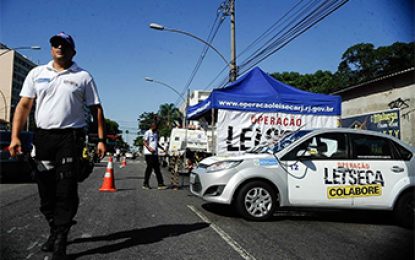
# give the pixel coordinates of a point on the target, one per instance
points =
(56, 44)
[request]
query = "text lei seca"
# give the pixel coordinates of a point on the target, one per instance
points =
(353, 180)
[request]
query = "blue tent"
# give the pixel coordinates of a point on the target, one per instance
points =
(256, 91)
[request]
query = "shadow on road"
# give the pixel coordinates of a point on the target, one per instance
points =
(136, 237)
(375, 217)
(220, 209)
(126, 189)
(129, 178)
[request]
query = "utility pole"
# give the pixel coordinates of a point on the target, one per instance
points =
(233, 73)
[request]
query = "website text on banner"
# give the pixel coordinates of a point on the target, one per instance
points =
(240, 131)
(272, 106)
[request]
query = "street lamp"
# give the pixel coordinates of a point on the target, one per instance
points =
(166, 85)
(232, 65)
(175, 91)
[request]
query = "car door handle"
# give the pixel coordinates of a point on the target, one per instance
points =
(397, 169)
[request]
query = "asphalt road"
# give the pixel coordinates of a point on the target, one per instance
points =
(132, 223)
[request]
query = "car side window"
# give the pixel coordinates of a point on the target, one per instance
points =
(320, 147)
(402, 153)
(371, 147)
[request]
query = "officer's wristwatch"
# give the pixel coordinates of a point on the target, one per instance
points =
(101, 140)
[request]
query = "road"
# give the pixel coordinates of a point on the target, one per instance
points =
(132, 223)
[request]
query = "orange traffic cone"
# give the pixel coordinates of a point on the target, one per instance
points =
(109, 183)
(124, 162)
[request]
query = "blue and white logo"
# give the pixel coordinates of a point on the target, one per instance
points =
(267, 162)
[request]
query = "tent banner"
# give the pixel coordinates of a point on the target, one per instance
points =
(239, 131)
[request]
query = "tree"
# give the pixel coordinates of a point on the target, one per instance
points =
(168, 114)
(320, 81)
(146, 119)
(362, 62)
(165, 119)
(112, 127)
(139, 141)
(359, 63)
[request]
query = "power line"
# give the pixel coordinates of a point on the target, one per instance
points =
(277, 42)
(222, 11)
(297, 20)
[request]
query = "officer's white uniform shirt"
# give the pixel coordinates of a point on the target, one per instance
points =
(60, 95)
(152, 140)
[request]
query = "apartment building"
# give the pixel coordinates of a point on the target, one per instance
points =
(14, 68)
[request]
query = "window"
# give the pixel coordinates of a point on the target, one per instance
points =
(371, 147)
(321, 147)
(402, 153)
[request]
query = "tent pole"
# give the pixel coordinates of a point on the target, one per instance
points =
(213, 131)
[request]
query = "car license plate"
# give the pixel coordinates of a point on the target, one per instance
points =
(192, 178)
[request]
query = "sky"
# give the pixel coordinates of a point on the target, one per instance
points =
(115, 44)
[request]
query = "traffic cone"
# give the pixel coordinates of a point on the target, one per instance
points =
(124, 162)
(109, 183)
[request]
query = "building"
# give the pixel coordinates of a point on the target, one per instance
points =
(375, 101)
(14, 68)
(194, 98)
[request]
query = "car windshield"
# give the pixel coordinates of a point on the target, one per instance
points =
(289, 139)
(261, 148)
(268, 147)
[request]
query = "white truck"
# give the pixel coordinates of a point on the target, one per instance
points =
(194, 140)
(186, 148)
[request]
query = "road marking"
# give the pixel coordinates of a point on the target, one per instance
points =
(32, 245)
(11, 230)
(228, 239)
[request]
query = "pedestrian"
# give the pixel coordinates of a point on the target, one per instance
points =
(151, 145)
(60, 91)
(174, 161)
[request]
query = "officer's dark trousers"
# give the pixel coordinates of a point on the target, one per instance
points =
(152, 164)
(58, 188)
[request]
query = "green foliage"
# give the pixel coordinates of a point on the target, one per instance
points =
(139, 141)
(359, 63)
(112, 127)
(146, 119)
(166, 117)
(320, 82)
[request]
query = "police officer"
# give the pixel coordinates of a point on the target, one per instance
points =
(61, 90)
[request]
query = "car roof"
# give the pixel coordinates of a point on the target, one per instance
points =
(358, 131)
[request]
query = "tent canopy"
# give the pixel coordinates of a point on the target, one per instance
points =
(256, 91)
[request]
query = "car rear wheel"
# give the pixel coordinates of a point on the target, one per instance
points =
(256, 200)
(405, 210)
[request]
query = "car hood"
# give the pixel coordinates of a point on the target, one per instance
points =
(215, 159)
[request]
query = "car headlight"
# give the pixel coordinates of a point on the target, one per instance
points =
(222, 166)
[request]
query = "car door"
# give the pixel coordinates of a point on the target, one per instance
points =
(378, 165)
(315, 171)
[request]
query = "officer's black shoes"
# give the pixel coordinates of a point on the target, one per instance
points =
(48, 245)
(59, 247)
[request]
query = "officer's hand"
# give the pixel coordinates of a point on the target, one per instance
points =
(101, 149)
(15, 147)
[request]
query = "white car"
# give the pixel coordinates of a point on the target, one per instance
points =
(129, 155)
(333, 168)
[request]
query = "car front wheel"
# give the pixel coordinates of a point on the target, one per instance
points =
(256, 200)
